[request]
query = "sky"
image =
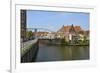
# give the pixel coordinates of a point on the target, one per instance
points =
(55, 20)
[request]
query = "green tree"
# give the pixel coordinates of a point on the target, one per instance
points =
(29, 34)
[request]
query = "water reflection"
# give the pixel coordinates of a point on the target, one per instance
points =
(60, 53)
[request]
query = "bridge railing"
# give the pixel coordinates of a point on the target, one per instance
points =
(29, 50)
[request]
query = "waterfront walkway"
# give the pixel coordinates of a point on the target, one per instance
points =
(26, 45)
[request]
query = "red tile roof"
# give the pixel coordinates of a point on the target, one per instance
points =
(39, 33)
(67, 28)
(77, 28)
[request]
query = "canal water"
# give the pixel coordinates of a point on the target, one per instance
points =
(49, 52)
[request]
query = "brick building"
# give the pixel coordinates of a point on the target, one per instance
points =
(71, 32)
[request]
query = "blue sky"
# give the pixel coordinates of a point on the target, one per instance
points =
(55, 20)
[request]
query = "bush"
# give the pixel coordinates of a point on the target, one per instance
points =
(63, 41)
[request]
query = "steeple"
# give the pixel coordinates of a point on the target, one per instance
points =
(72, 29)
